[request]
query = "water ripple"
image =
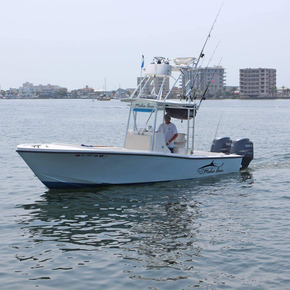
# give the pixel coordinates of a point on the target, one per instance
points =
(224, 232)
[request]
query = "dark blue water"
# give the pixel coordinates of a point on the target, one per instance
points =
(229, 232)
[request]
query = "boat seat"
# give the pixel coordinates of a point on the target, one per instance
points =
(179, 144)
(180, 141)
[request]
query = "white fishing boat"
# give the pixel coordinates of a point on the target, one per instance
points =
(144, 158)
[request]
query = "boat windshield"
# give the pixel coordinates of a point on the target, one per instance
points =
(143, 116)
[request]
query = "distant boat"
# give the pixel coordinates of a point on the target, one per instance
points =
(104, 98)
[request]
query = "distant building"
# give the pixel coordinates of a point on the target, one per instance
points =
(154, 87)
(121, 93)
(47, 91)
(283, 92)
(12, 93)
(130, 91)
(211, 77)
(82, 93)
(258, 83)
(175, 93)
(27, 91)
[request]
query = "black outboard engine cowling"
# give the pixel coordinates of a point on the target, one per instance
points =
(243, 147)
(222, 144)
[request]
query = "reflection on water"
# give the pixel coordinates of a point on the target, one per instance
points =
(109, 217)
(247, 177)
(115, 216)
(155, 227)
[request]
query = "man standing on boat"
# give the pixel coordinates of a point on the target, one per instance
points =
(170, 132)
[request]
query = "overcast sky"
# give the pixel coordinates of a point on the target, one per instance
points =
(73, 43)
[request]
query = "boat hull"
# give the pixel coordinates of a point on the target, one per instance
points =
(92, 167)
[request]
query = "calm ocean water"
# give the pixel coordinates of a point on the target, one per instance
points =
(230, 232)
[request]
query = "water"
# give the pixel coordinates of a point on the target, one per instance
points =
(229, 232)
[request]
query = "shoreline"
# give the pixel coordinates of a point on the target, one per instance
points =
(276, 98)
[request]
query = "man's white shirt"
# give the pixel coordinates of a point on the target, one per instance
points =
(169, 130)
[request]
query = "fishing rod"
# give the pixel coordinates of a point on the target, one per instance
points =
(218, 125)
(208, 85)
(201, 55)
(213, 53)
(194, 95)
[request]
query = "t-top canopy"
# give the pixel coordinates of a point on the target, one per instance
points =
(176, 109)
(184, 60)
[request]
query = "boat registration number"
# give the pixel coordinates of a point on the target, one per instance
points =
(89, 155)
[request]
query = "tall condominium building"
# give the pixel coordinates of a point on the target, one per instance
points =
(257, 83)
(211, 77)
(154, 87)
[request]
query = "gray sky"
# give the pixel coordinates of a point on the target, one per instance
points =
(73, 43)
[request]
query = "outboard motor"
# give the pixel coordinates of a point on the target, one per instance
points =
(243, 147)
(222, 144)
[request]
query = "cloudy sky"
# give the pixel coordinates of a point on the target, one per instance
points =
(73, 43)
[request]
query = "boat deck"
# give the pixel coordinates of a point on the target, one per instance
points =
(90, 149)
